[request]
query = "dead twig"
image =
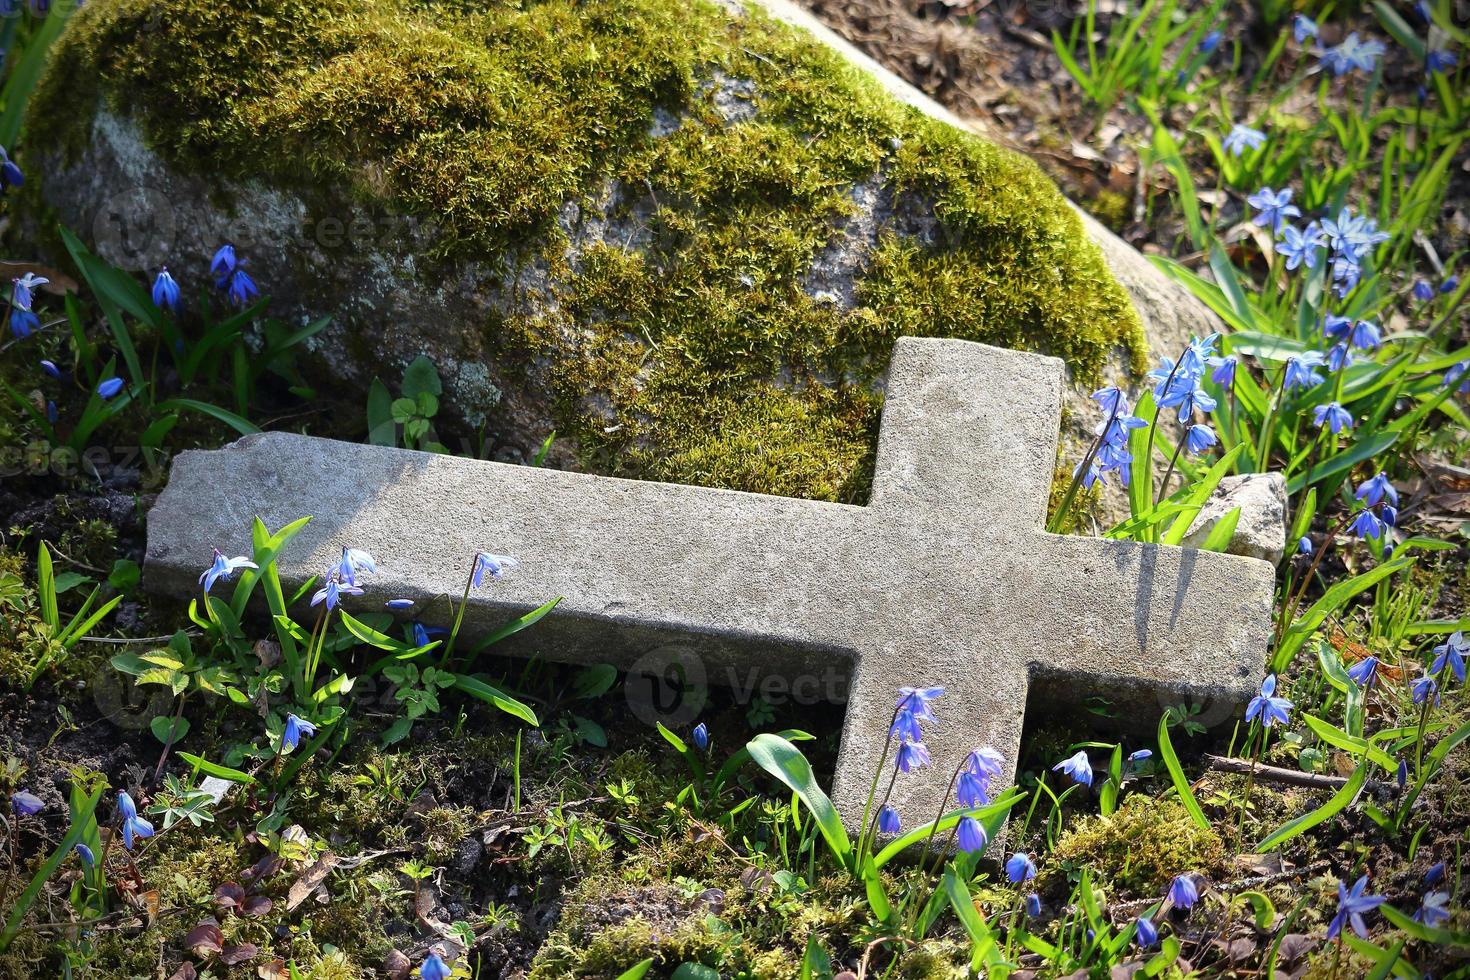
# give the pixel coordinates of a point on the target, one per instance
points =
(1289, 777)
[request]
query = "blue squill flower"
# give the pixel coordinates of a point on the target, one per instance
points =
(1020, 868)
(23, 289)
(10, 175)
(1424, 688)
(1352, 905)
(1353, 54)
(1439, 60)
(1450, 284)
(241, 289)
(223, 568)
(1077, 767)
(1365, 335)
(1423, 292)
(133, 826)
(332, 592)
(1458, 373)
(888, 821)
(1210, 42)
(700, 736)
(223, 264)
(1301, 370)
(972, 789)
(51, 413)
(399, 604)
(1198, 438)
(165, 291)
(1345, 274)
(1336, 327)
(1224, 373)
(1452, 653)
(1112, 400)
(1240, 138)
(1333, 416)
(1434, 911)
(1376, 489)
(1435, 874)
(1364, 671)
(911, 756)
(1299, 248)
(293, 731)
(985, 761)
(1303, 28)
(421, 636)
(972, 836)
(1197, 400)
(23, 323)
(85, 853)
(1182, 892)
(494, 566)
(919, 700)
(1367, 525)
(25, 804)
(355, 562)
(1142, 755)
(1144, 932)
(1033, 905)
(52, 371)
(1339, 357)
(1304, 546)
(109, 388)
(1274, 208)
(906, 727)
(1266, 706)
(435, 969)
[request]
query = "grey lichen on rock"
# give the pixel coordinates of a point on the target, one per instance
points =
(687, 236)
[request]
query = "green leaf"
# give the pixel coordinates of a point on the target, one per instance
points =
(381, 431)
(1367, 448)
(594, 681)
(694, 971)
(1330, 809)
(421, 376)
(784, 761)
(982, 941)
(637, 971)
(1336, 596)
(1265, 911)
(991, 817)
(241, 425)
(742, 755)
(203, 765)
(1176, 773)
(1198, 494)
(1219, 537)
(1396, 26)
(514, 626)
(74, 834)
(46, 587)
(1428, 934)
(476, 687)
(168, 730)
(815, 963)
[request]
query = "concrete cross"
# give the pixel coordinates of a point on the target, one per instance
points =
(946, 577)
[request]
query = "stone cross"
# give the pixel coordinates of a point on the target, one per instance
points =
(946, 577)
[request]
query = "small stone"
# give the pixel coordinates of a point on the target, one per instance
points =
(397, 965)
(1261, 531)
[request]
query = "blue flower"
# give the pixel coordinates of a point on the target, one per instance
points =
(1275, 208)
(985, 761)
(1421, 7)
(1353, 54)
(1304, 546)
(1240, 138)
(1451, 653)
(1142, 755)
(1077, 767)
(1438, 61)
(223, 568)
(294, 729)
(397, 604)
(1210, 42)
(1303, 28)
(435, 969)
(1182, 892)
(354, 562)
(332, 592)
(421, 636)
(1020, 868)
(222, 264)
(85, 853)
(1345, 274)
(1033, 905)
(700, 735)
(1376, 489)
(165, 291)
(1433, 911)
(1339, 357)
(972, 836)
(1334, 416)
(888, 822)
(493, 565)
(23, 323)
(52, 371)
(1352, 905)
(1365, 335)
(1224, 373)
(1450, 284)
(1364, 671)
(1266, 706)
(972, 789)
(906, 727)
(911, 756)
(1456, 373)
(241, 289)
(1423, 292)
(1112, 400)
(10, 175)
(51, 413)
(1144, 932)
(1196, 400)
(1423, 689)
(25, 804)
(109, 388)
(1299, 248)
(918, 700)
(1367, 525)
(1198, 438)
(23, 288)
(1301, 370)
(1434, 875)
(132, 825)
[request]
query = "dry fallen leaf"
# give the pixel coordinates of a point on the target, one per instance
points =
(205, 939)
(313, 876)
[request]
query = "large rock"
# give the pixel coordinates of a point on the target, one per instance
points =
(684, 235)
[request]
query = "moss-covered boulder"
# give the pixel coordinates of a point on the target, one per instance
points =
(682, 233)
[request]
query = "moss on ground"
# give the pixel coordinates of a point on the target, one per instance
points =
(1140, 847)
(728, 147)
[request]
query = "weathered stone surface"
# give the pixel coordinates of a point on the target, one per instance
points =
(1261, 531)
(711, 299)
(945, 577)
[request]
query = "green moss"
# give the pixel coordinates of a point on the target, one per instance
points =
(1141, 847)
(695, 352)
